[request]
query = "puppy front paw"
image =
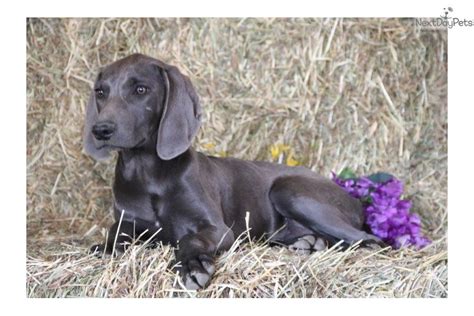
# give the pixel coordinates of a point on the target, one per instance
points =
(196, 272)
(99, 250)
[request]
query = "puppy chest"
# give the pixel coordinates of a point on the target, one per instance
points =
(136, 205)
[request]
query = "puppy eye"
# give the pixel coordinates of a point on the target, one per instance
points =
(141, 90)
(99, 93)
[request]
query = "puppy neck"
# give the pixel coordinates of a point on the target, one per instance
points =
(145, 160)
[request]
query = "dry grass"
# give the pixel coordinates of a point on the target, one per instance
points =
(364, 93)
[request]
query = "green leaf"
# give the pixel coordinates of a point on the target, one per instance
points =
(380, 177)
(347, 173)
(366, 199)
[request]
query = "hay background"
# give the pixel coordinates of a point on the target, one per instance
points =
(365, 93)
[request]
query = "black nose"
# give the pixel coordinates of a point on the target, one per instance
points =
(103, 130)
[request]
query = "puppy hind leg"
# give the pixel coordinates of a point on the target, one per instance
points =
(300, 198)
(299, 238)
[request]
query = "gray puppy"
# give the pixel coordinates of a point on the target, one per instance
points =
(164, 190)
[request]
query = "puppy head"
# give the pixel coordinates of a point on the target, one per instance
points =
(137, 99)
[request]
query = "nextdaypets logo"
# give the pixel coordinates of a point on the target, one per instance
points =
(444, 21)
(446, 12)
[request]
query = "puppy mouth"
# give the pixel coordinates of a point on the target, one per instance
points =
(103, 146)
(117, 147)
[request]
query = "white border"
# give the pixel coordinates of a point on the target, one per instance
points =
(13, 183)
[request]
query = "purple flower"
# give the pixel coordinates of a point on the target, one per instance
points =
(387, 215)
(392, 188)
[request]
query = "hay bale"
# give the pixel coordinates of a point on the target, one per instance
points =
(369, 94)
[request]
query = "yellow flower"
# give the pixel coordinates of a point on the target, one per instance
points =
(284, 148)
(209, 146)
(275, 151)
(291, 162)
(278, 149)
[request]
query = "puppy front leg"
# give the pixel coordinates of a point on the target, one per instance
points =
(120, 235)
(197, 251)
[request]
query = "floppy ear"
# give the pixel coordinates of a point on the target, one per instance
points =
(181, 115)
(88, 139)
